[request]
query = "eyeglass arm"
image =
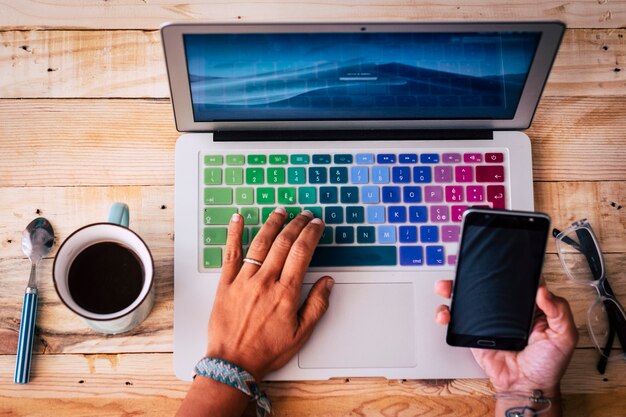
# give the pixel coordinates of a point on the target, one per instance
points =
(556, 232)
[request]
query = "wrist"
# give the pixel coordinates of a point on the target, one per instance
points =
(236, 359)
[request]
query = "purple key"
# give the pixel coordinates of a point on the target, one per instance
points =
(450, 233)
(433, 194)
(475, 193)
(443, 173)
(451, 158)
(457, 213)
(463, 173)
(451, 259)
(473, 158)
(439, 214)
(454, 193)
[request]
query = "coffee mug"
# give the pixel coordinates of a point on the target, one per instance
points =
(104, 272)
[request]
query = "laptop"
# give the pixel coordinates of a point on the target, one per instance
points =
(387, 132)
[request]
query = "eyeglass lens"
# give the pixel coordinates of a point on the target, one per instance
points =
(580, 255)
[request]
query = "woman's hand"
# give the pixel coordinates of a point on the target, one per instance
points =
(544, 360)
(256, 321)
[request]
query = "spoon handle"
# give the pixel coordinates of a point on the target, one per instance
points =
(27, 333)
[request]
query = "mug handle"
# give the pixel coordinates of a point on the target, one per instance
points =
(119, 214)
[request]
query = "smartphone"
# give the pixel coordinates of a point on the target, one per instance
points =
(497, 276)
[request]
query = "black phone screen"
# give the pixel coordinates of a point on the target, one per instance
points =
(498, 274)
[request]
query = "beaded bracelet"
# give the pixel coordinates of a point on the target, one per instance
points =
(234, 376)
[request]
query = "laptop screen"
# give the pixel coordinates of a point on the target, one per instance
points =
(358, 76)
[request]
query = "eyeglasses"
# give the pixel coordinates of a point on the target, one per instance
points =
(582, 261)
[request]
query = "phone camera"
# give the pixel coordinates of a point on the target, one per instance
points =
(531, 219)
(363, 29)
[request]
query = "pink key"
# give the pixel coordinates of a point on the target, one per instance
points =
(490, 173)
(451, 259)
(439, 214)
(454, 193)
(443, 174)
(464, 173)
(457, 213)
(472, 158)
(494, 158)
(451, 158)
(496, 196)
(433, 194)
(475, 193)
(450, 233)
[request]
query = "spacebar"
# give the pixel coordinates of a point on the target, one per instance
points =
(354, 256)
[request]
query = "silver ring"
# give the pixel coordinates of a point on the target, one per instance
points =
(253, 261)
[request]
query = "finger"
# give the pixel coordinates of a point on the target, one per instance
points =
(442, 315)
(443, 288)
(275, 260)
(314, 307)
(232, 251)
(262, 242)
(300, 255)
(557, 311)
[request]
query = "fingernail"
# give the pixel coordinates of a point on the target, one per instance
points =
(439, 317)
(329, 284)
(317, 221)
(307, 213)
(235, 218)
(280, 211)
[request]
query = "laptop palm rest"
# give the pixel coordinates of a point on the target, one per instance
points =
(366, 326)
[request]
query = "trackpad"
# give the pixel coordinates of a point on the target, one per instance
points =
(366, 326)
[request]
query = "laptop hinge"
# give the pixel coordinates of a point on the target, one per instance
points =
(348, 135)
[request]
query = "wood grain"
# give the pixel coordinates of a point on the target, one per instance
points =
(129, 64)
(28, 14)
(131, 142)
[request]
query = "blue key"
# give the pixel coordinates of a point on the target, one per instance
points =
(408, 158)
(321, 159)
(429, 234)
(333, 215)
(391, 194)
(422, 174)
(401, 174)
(349, 195)
(396, 214)
(338, 175)
(344, 234)
(355, 214)
(375, 214)
(411, 255)
(365, 234)
(342, 159)
(370, 195)
(412, 194)
(386, 234)
(386, 158)
(317, 175)
(434, 255)
(429, 158)
(328, 195)
(364, 158)
(418, 214)
(380, 175)
(407, 234)
(359, 175)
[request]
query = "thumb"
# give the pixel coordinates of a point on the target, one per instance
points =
(315, 305)
(557, 311)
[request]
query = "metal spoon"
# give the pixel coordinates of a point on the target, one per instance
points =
(37, 240)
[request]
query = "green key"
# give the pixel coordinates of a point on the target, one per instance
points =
(265, 195)
(253, 232)
(257, 159)
(213, 176)
(218, 215)
(214, 196)
(286, 195)
(278, 159)
(244, 195)
(254, 175)
(213, 159)
(244, 237)
(327, 236)
(307, 195)
(233, 176)
(292, 212)
(250, 215)
(296, 175)
(276, 175)
(316, 210)
(235, 160)
(212, 257)
(215, 235)
(265, 213)
(299, 159)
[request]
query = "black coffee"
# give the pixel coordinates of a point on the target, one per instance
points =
(105, 278)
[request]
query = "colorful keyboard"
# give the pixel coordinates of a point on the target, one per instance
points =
(397, 210)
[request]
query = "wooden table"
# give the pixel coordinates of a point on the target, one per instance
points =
(85, 120)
